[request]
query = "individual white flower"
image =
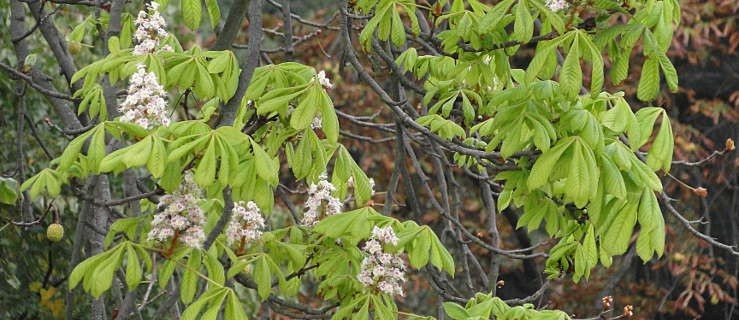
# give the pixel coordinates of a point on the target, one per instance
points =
(385, 235)
(149, 30)
(320, 201)
(317, 122)
(146, 102)
(487, 59)
(181, 216)
(557, 5)
(380, 270)
(246, 223)
(323, 80)
(350, 184)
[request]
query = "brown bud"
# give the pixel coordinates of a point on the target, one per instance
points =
(729, 145)
(701, 192)
(607, 302)
(628, 311)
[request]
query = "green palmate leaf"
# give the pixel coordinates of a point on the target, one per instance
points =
(84, 268)
(397, 31)
(440, 257)
(646, 118)
(72, 151)
(570, 78)
(353, 225)
(592, 52)
(611, 177)
(267, 167)
(419, 253)
(214, 267)
(669, 72)
(446, 129)
(157, 158)
(493, 18)
(660, 154)
(649, 81)
(652, 234)
(619, 118)
(523, 27)
(48, 179)
(206, 170)
(212, 298)
(645, 175)
(133, 269)
(191, 13)
(8, 190)
(578, 177)
(543, 52)
(186, 148)
(101, 278)
(214, 13)
(233, 309)
(586, 255)
(263, 276)
(346, 168)
(617, 236)
(543, 166)
(138, 153)
(306, 110)
(215, 305)
(455, 311)
(204, 86)
(189, 283)
(329, 120)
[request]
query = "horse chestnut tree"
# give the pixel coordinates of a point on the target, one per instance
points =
(237, 196)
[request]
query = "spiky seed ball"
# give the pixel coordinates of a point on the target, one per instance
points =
(55, 232)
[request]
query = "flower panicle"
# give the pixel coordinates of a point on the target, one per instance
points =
(246, 223)
(381, 270)
(320, 197)
(146, 102)
(181, 218)
(150, 30)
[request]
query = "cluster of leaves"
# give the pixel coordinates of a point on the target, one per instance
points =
(485, 306)
(580, 165)
(581, 172)
(223, 158)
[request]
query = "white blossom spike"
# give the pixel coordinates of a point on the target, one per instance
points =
(320, 200)
(557, 5)
(246, 223)
(146, 102)
(323, 80)
(182, 217)
(149, 30)
(380, 270)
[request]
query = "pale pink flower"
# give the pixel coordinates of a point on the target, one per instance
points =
(380, 270)
(180, 215)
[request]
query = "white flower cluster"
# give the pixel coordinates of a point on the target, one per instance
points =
(381, 270)
(317, 195)
(246, 223)
(557, 5)
(182, 217)
(323, 80)
(146, 103)
(149, 30)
